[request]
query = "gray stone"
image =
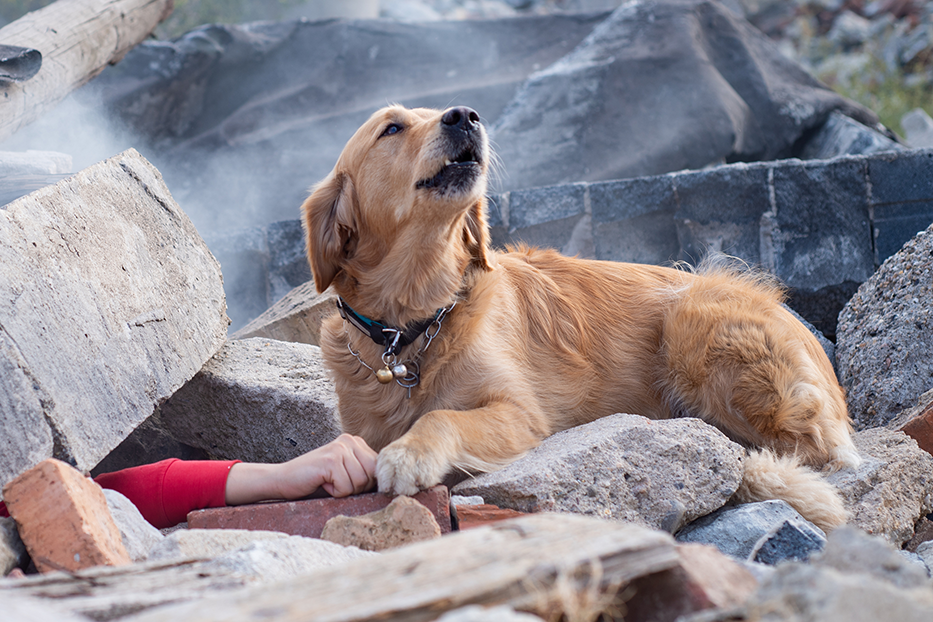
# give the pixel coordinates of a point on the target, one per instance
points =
(720, 210)
(607, 110)
(632, 220)
(884, 346)
(925, 552)
(271, 560)
(28, 609)
(740, 531)
(475, 613)
(622, 467)
(901, 197)
(257, 400)
(850, 550)
(891, 489)
(12, 550)
(798, 592)
(841, 135)
(139, 537)
(794, 540)
(918, 127)
(297, 317)
(109, 302)
(207, 543)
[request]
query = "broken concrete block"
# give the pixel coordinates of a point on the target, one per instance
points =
(851, 550)
(633, 220)
(109, 302)
(275, 559)
(137, 535)
(257, 400)
(794, 539)
(296, 317)
(743, 531)
(402, 522)
(892, 488)
(703, 579)
(207, 543)
(308, 517)
(901, 197)
(884, 347)
(623, 467)
(63, 519)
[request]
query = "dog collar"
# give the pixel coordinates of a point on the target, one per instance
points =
(394, 339)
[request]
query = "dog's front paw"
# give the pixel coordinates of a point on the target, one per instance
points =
(402, 468)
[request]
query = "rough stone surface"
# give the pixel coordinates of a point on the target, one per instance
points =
(901, 196)
(308, 517)
(851, 550)
(891, 489)
(476, 613)
(271, 560)
(296, 317)
(741, 531)
(12, 550)
(63, 519)
(26, 609)
(794, 540)
(746, 100)
(207, 543)
(623, 467)
(402, 522)
(257, 400)
(857, 577)
(109, 302)
(704, 579)
(137, 534)
(884, 344)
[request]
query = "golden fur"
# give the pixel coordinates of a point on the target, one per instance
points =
(539, 342)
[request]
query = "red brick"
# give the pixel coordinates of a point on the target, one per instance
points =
(704, 579)
(308, 516)
(470, 516)
(920, 428)
(63, 519)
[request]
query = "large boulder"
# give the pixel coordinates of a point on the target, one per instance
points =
(622, 467)
(661, 86)
(258, 400)
(884, 346)
(109, 302)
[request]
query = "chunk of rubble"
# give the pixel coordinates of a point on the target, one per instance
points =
(402, 522)
(623, 467)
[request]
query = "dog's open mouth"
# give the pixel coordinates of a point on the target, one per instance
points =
(456, 173)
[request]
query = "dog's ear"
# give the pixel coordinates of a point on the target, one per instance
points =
(476, 235)
(329, 219)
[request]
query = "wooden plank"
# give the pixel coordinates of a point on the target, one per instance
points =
(77, 39)
(528, 563)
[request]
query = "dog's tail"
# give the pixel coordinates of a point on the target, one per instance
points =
(769, 476)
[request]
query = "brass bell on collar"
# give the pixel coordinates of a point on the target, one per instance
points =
(384, 375)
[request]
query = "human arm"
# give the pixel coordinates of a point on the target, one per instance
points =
(342, 467)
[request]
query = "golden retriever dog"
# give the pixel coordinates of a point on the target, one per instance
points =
(448, 355)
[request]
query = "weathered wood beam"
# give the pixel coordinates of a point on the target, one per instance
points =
(77, 39)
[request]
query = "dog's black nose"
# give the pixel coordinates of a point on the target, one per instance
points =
(461, 117)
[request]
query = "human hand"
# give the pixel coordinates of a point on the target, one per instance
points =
(345, 466)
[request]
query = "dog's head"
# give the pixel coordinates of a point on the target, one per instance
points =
(404, 203)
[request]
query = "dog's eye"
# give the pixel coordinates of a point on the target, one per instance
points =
(392, 128)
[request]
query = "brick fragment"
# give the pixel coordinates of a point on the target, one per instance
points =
(704, 579)
(63, 519)
(920, 428)
(401, 522)
(308, 516)
(470, 516)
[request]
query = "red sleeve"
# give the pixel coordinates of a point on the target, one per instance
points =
(166, 491)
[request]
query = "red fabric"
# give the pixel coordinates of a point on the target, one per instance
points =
(166, 491)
